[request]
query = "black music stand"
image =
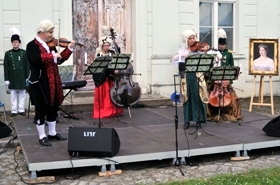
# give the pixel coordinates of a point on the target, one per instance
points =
(99, 71)
(199, 63)
(224, 73)
(120, 62)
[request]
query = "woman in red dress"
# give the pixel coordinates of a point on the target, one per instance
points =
(103, 106)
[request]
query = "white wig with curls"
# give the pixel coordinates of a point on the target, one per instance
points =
(44, 26)
(186, 34)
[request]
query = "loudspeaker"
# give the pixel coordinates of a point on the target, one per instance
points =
(272, 128)
(5, 130)
(93, 142)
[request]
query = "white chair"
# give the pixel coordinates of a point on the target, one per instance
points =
(3, 105)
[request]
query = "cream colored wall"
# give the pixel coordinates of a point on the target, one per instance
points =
(157, 31)
(26, 15)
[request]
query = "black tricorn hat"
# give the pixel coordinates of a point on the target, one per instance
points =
(15, 37)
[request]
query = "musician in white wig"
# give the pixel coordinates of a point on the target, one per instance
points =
(46, 91)
(193, 91)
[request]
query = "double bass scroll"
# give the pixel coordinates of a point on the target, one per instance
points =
(113, 35)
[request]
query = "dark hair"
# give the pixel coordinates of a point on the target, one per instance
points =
(264, 46)
(105, 43)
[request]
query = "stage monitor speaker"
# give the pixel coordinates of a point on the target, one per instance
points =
(93, 142)
(5, 130)
(272, 128)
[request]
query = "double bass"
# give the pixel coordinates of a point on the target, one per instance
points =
(125, 92)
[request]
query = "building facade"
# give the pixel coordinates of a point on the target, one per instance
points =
(151, 29)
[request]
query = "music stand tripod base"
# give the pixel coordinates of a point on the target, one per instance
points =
(198, 126)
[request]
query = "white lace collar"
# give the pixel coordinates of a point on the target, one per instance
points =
(44, 44)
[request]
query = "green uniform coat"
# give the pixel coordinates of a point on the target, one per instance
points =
(16, 68)
(228, 58)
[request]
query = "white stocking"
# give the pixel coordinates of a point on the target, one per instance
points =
(41, 130)
(52, 130)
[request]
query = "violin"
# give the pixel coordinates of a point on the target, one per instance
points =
(220, 96)
(63, 42)
(199, 46)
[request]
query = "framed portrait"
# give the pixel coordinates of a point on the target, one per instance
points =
(263, 57)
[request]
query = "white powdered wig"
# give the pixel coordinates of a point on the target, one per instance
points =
(222, 33)
(186, 34)
(14, 31)
(44, 26)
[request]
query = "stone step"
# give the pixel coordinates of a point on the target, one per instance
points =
(83, 101)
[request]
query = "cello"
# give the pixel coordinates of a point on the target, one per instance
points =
(220, 96)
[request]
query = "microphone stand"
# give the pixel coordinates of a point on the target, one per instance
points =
(177, 162)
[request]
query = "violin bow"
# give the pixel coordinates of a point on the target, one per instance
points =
(205, 36)
(58, 36)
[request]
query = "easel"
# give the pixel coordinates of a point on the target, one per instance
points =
(223, 73)
(99, 71)
(199, 63)
(260, 98)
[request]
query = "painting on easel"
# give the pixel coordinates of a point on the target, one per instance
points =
(263, 57)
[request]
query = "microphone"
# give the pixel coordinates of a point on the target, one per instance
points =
(182, 68)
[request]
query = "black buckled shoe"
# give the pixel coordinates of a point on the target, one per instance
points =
(13, 114)
(57, 137)
(22, 113)
(186, 125)
(45, 142)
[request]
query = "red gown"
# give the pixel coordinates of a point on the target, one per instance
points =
(102, 98)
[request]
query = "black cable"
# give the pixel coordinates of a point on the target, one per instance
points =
(73, 177)
(249, 122)
(7, 145)
(21, 178)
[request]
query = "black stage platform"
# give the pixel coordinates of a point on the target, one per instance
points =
(148, 135)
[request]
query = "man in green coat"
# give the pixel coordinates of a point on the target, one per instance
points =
(16, 71)
(226, 53)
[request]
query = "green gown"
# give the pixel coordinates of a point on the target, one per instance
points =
(194, 108)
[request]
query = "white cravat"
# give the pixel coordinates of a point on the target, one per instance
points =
(43, 44)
